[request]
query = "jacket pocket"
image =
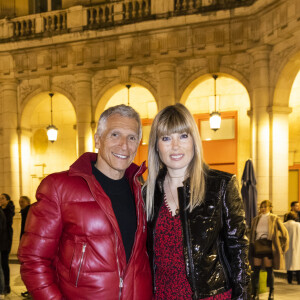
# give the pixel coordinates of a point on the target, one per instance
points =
(77, 263)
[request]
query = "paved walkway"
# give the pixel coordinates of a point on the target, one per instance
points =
(283, 291)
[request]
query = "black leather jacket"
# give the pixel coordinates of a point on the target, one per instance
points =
(214, 237)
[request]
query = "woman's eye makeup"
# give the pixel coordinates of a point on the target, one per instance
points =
(184, 136)
(165, 138)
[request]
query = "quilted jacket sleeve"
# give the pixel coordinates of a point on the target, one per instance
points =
(237, 243)
(39, 244)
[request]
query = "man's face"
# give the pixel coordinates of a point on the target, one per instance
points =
(23, 203)
(117, 146)
(296, 207)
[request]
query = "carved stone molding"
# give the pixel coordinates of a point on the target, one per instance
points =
(188, 68)
(26, 87)
(45, 83)
(237, 32)
(239, 63)
(65, 83)
(110, 50)
(279, 110)
(199, 38)
(124, 73)
(213, 63)
(146, 74)
(219, 36)
(148, 77)
(101, 82)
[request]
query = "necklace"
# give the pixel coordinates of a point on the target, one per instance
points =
(177, 209)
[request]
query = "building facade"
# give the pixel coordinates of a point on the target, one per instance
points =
(86, 52)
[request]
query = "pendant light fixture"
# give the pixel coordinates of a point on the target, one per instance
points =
(128, 98)
(51, 129)
(215, 116)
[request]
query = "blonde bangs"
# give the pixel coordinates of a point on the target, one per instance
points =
(174, 122)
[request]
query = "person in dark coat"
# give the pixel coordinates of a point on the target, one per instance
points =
(24, 202)
(24, 205)
(197, 240)
(2, 242)
(9, 211)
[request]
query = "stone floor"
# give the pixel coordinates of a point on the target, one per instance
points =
(283, 291)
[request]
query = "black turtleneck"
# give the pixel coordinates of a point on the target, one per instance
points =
(123, 204)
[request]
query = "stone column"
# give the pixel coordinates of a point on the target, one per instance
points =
(84, 112)
(25, 135)
(166, 84)
(10, 150)
(260, 120)
(279, 158)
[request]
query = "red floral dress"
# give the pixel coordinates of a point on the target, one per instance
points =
(170, 276)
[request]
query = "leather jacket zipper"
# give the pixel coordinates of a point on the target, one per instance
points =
(220, 245)
(225, 264)
(186, 231)
(119, 271)
(81, 261)
(121, 281)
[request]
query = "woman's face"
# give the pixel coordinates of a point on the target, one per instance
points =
(264, 209)
(176, 151)
(3, 201)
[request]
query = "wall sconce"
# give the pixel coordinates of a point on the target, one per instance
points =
(51, 129)
(215, 116)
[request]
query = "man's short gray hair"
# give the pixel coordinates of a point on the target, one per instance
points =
(124, 111)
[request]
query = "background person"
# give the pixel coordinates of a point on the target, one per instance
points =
(85, 237)
(9, 211)
(3, 233)
(268, 225)
(196, 223)
(292, 256)
(295, 207)
(24, 203)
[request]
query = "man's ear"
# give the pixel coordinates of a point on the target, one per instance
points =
(97, 141)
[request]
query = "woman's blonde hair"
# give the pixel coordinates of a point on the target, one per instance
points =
(267, 203)
(175, 119)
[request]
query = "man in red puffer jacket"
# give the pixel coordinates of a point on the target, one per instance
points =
(85, 237)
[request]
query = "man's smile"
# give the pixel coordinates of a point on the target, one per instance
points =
(120, 156)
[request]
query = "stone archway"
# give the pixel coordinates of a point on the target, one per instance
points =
(38, 156)
(285, 81)
(281, 135)
(233, 103)
(294, 142)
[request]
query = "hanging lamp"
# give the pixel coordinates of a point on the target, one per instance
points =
(51, 129)
(215, 116)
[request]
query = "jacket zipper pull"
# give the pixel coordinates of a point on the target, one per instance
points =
(120, 287)
(80, 265)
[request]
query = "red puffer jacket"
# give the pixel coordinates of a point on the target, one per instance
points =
(72, 246)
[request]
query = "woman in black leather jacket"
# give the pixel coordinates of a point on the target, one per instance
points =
(196, 227)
